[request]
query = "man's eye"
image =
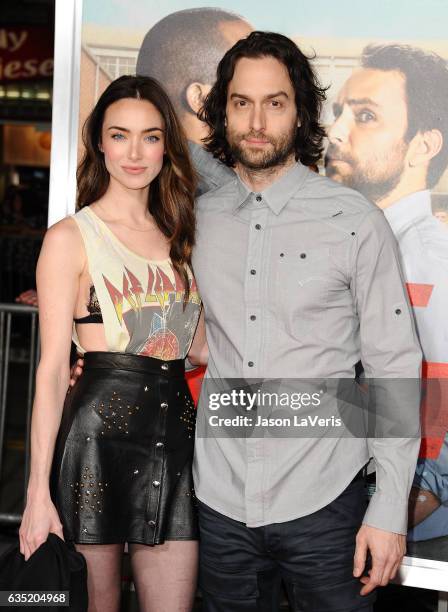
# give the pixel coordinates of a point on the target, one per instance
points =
(275, 103)
(241, 103)
(365, 116)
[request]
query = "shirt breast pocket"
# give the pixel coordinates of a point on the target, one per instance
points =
(303, 280)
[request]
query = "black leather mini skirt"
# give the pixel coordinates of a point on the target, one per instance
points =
(122, 462)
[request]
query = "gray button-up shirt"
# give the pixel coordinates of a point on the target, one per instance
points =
(301, 281)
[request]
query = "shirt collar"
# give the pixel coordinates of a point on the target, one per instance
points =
(407, 209)
(277, 195)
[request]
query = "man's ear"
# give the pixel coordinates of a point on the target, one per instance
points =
(195, 95)
(424, 146)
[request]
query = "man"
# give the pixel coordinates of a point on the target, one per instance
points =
(300, 278)
(389, 140)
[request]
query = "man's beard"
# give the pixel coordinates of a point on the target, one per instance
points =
(376, 178)
(258, 159)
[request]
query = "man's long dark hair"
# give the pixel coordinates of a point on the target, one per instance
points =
(309, 95)
(171, 193)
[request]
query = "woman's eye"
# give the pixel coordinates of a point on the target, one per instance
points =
(117, 136)
(152, 138)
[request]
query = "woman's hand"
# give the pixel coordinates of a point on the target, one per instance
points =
(39, 519)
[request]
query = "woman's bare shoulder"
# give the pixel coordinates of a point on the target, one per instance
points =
(64, 232)
(64, 240)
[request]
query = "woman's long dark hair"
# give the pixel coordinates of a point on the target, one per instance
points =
(171, 193)
(309, 95)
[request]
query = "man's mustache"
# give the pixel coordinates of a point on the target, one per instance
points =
(334, 154)
(256, 135)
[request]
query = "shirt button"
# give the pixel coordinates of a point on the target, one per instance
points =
(164, 366)
(253, 272)
(303, 255)
(151, 523)
(252, 317)
(398, 311)
(164, 405)
(258, 226)
(250, 364)
(155, 483)
(159, 444)
(258, 198)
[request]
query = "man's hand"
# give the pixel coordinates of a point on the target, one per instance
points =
(76, 371)
(386, 549)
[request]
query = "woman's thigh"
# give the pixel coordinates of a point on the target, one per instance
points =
(103, 575)
(165, 575)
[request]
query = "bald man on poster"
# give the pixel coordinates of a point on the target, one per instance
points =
(182, 51)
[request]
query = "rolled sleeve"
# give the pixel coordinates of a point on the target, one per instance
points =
(389, 350)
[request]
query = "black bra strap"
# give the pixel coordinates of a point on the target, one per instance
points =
(91, 318)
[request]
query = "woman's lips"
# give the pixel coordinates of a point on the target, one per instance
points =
(133, 170)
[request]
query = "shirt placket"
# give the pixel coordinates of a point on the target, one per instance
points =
(252, 355)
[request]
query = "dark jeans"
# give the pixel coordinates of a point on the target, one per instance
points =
(241, 568)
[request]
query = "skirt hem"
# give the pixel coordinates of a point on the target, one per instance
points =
(126, 541)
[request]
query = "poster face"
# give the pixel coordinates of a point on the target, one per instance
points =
(386, 117)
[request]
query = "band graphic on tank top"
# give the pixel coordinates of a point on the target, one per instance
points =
(141, 301)
(152, 312)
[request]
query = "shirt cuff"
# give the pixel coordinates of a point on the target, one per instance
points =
(387, 514)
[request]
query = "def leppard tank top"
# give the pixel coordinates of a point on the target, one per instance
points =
(141, 301)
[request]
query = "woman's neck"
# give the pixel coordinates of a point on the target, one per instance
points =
(120, 203)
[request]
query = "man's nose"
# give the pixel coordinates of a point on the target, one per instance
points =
(339, 130)
(258, 122)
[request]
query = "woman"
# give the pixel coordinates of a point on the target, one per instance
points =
(118, 273)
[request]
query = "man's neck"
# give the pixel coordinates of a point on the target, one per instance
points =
(259, 180)
(403, 189)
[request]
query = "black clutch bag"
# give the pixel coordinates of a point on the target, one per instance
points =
(54, 566)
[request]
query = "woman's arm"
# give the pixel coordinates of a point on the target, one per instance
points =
(58, 271)
(198, 353)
